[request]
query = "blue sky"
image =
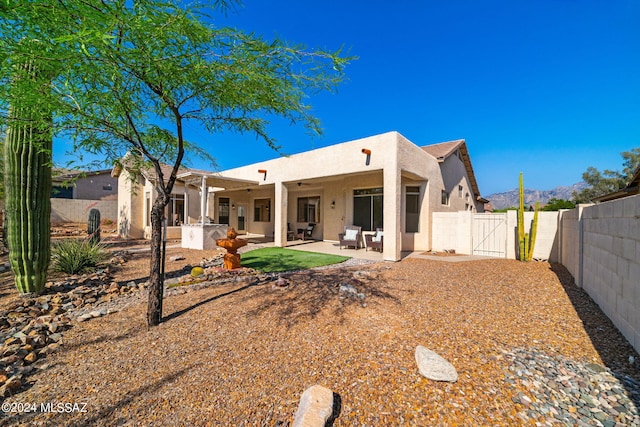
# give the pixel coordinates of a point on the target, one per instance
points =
(545, 87)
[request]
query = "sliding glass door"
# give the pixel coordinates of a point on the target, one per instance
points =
(368, 207)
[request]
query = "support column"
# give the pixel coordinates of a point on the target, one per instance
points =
(186, 203)
(280, 215)
(203, 199)
(392, 190)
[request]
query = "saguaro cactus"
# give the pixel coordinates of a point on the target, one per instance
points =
(93, 226)
(526, 241)
(27, 156)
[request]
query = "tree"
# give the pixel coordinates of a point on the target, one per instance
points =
(608, 181)
(136, 73)
(556, 204)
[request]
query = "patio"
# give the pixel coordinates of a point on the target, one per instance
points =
(325, 247)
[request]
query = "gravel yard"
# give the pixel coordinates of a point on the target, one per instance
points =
(527, 344)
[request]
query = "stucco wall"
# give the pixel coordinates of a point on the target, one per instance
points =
(96, 187)
(445, 231)
(454, 175)
(77, 210)
(452, 230)
(130, 207)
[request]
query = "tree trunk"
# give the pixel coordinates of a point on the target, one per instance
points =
(156, 282)
(27, 156)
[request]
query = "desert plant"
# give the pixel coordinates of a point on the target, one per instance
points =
(93, 225)
(74, 256)
(526, 241)
(27, 173)
(534, 231)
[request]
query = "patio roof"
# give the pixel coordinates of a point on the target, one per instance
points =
(213, 179)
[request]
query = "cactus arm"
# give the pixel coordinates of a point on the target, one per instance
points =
(521, 233)
(534, 231)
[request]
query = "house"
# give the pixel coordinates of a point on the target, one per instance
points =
(632, 188)
(94, 185)
(384, 181)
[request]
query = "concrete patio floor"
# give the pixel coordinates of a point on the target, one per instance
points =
(333, 248)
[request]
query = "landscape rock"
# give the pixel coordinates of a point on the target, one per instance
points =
(85, 317)
(98, 313)
(11, 386)
(31, 357)
(432, 366)
(315, 407)
(281, 283)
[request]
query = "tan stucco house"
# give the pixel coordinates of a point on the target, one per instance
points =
(384, 181)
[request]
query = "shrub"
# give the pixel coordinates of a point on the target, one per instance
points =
(73, 256)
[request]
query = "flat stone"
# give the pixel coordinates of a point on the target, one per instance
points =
(85, 317)
(98, 313)
(432, 366)
(315, 407)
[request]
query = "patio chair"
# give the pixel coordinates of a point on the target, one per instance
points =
(290, 234)
(352, 236)
(305, 233)
(374, 241)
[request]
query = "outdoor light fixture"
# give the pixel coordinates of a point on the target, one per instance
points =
(368, 153)
(263, 171)
(333, 204)
(233, 206)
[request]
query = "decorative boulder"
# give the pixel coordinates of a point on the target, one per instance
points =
(432, 366)
(315, 407)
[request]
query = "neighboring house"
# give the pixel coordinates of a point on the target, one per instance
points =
(384, 181)
(95, 185)
(631, 189)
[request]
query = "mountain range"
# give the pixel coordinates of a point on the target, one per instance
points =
(531, 196)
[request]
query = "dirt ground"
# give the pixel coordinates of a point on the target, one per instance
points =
(135, 268)
(242, 353)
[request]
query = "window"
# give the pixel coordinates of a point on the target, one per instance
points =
(460, 191)
(368, 207)
(262, 210)
(445, 198)
(61, 192)
(223, 210)
(412, 210)
(309, 209)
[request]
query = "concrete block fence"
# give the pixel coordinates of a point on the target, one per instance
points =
(77, 210)
(601, 248)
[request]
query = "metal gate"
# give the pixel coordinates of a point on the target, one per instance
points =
(489, 234)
